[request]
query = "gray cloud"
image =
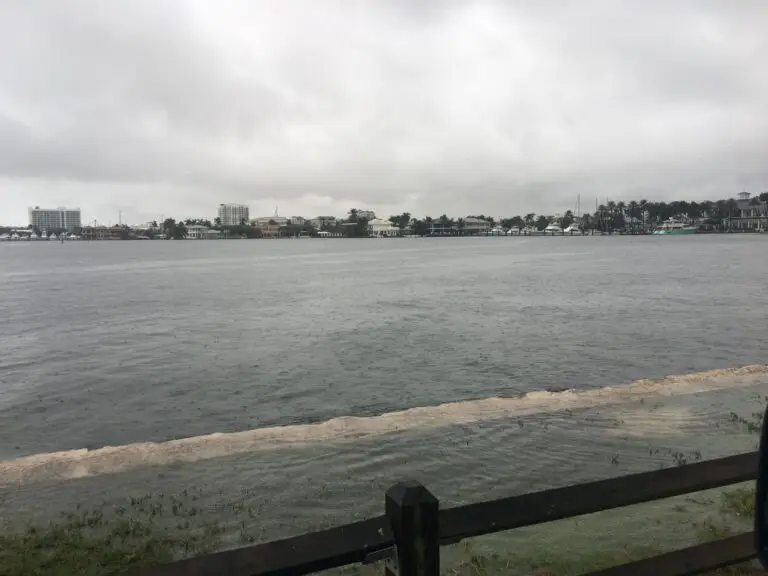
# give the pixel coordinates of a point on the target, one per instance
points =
(458, 107)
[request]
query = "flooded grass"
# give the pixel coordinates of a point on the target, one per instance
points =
(156, 528)
(134, 533)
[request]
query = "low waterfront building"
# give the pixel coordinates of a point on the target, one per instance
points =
(197, 232)
(751, 213)
(382, 228)
(270, 225)
(474, 225)
(273, 220)
(105, 233)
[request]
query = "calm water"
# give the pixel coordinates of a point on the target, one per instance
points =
(114, 344)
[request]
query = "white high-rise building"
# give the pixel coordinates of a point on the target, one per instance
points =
(55, 218)
(233, 214)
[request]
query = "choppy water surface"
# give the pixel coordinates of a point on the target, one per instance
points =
(309, 375)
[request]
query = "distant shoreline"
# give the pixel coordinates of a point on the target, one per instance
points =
(537, 234)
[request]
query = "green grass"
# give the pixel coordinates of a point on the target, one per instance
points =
(136, 532)
(740, 502)
(156, 529)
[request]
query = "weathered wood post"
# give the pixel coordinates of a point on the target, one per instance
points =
(413, 512)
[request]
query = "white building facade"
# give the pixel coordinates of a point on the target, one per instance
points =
(382, 228)
(196, 232)
(274, 220)
(51, 219)
(233, 214)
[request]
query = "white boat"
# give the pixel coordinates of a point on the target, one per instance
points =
(5, 237)
(672, 226)
(553, 229)
(513, 231)
(572, 229)
(15, 237)
(497, 231)
(529, 231)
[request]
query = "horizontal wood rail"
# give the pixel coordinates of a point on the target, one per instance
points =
(374, 539)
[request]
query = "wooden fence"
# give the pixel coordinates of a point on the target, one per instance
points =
(413, 528)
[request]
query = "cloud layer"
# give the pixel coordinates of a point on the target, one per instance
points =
(320, 105)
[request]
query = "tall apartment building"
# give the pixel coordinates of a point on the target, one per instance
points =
(233, 214)
(55, 218)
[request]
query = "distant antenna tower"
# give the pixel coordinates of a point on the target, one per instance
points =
(275, 210)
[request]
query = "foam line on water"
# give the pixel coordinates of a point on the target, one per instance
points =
(114, 459)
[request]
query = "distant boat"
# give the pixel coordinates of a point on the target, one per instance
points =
(497, 231)
(573, 229)
(672, 226)
(553, 229)
(513, 231)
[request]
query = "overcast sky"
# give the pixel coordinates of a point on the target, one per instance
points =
(171, 107)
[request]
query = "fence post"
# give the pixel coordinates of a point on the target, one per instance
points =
(413, 513)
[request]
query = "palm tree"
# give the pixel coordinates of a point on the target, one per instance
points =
(611, 212)
(632, 212)
(643, 209)
(620, 214)
(731, 205)
(601, 216)
(529, 219)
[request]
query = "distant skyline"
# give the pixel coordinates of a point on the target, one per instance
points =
(317, 106)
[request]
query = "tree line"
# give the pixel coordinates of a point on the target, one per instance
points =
(609, 216)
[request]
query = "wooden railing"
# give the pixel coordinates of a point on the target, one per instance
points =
(413, 528)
